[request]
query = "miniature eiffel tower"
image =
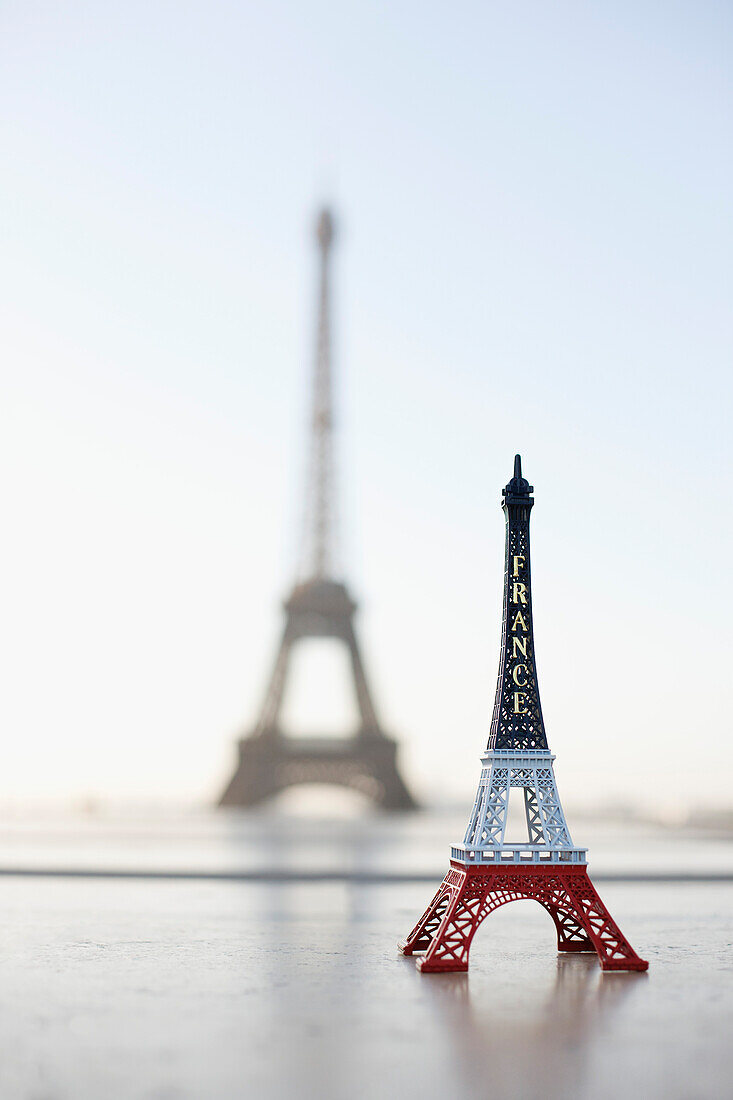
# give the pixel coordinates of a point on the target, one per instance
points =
(486, 871)
(319, 606)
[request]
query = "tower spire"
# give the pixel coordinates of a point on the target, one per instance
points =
(318, 543)
(517, 722)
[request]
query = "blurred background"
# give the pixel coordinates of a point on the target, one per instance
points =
(533, 253)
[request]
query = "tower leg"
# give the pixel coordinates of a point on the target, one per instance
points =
(396, 795)
(613, 949)
(448, 950)
(377, 755)
(571, 935)
(424, 931)
(468, 894)
(446, 929)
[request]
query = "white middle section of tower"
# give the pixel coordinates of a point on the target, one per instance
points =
(549, 839)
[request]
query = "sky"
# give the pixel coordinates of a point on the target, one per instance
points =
(533, 254)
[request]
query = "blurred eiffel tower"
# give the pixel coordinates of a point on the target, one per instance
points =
(318, 607)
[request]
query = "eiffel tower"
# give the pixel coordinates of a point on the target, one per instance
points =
(319, 606)
(486, 870)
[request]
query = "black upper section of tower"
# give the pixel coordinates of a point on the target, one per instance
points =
(517, 724)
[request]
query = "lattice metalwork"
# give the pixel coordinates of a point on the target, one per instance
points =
(444, 933)
(535, 825)
(533, 773)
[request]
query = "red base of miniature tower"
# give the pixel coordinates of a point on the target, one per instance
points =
(469, 892)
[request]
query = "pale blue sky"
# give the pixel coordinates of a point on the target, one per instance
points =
(534, 254)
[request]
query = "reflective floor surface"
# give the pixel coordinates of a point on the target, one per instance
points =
(218, 990)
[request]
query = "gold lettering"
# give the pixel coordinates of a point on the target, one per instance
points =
(518, 592)
(515, 675)
(517, 566)
(518, 709)
(519, 644)
(519, 621)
